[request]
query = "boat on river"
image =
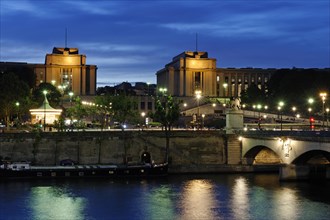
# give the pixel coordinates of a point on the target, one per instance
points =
(26, 170)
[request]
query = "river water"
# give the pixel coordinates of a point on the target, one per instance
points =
(220, 196)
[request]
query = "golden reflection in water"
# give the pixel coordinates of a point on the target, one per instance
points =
(240, 199)
(52, 203)
(286, 203)
(198, 200)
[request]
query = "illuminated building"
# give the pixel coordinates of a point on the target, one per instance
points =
(195, 71)
(66, 69)
(45, 114)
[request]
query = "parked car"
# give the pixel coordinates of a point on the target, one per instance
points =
(67, 162)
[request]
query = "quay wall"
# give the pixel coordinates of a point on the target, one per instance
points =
(187, 148)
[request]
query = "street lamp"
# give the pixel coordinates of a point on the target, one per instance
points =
(323, 97)
(17, 105)
(327, 110)
(310, 101)
(45, 93)
(280, 105)
(203, 116)
(71, 94)
(294, 109)
(143, 114)
(163, 90)
(198, 95)
(225, 85)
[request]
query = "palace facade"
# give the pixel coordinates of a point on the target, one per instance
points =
(66, 69)
(190, 71)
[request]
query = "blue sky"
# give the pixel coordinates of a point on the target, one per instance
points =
(131, 40)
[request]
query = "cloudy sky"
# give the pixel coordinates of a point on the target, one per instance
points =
(131, 40)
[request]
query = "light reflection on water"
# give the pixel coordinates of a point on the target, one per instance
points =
(240, 199)
(49, 202)
(198, 200)
(177, 197)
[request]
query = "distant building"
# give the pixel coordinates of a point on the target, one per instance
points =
(190, 71)
(66, 69)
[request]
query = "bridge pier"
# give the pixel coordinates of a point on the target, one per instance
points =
(304, 172)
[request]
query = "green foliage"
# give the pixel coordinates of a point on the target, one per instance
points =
(292, 86)
(24, 73)
(295, 86)
(78, 111)
(53, 95)
(252, 94)
(167, 111)
(125, 108)
(12, 90)
(102, 111)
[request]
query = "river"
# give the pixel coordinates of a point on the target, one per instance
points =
(216, 196)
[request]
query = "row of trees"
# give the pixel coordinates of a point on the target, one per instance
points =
(293, 86)
(17, 97)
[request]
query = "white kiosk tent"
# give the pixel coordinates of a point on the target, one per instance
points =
(45, 114)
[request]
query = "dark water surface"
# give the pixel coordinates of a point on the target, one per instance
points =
(221, 196)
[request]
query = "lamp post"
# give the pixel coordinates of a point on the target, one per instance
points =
(71, 94)
(323, 97)
(280, 106)
(45, 93)
(203, 116)
(198, 95)
(327, 110)
(162, 90)
(17, 105)
(143, 114)
(225, 85)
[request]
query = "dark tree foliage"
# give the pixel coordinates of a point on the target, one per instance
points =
(296, 85)
(123, 88)
(53, 95)
(103, 111)
(106, 90)
(124, 108)
(24, 73)
(12, 90)
(253, 94)
(167, 112)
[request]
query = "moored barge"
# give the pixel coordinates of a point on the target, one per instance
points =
(25, 170)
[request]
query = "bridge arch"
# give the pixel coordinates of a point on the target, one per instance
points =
(261, 155)
(288, 150)
(313, 157)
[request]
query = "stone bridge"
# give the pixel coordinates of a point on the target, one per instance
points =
(292, 149)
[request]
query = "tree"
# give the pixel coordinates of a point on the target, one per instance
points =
(124, 108)
(296, 85)
(53, 95)
(167, 112)
(12, 90)
(253, 94)
(77, 111)
(103, 108)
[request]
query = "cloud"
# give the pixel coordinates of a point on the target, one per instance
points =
(111, 47)
(94, 7)
(16, 51)
(17, 6)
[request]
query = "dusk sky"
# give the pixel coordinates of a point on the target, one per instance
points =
(131, 40)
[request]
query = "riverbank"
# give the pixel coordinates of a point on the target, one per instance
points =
(222, 168)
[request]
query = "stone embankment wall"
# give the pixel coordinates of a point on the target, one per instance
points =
(186, 147)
